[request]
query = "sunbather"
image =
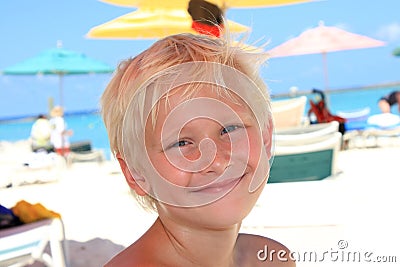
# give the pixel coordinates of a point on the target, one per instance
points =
(385, 103)
(189, 121)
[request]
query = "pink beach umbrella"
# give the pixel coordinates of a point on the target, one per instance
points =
(321, 40)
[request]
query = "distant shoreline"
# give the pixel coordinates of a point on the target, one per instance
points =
(31, 117)
(346, 89)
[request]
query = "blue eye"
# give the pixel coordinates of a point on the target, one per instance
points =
(229, 129)
(180, 143)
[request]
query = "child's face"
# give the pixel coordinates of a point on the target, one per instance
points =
(209, 150)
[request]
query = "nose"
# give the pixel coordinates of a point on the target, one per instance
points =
(221, 159)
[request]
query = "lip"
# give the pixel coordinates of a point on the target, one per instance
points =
(222, 186)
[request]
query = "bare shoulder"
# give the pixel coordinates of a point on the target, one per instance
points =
(137, 254)
(255, 250)
(143, 252)
(127, 257)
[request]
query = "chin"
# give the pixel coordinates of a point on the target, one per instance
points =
(227, 211)
(233, 207)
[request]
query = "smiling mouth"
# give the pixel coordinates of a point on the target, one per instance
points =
(217, 187)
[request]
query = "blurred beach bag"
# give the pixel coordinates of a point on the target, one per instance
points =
(8, 218)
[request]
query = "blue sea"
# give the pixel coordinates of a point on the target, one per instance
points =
(90, 127)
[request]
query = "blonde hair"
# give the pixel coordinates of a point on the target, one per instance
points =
(171, 51)
(57, 111)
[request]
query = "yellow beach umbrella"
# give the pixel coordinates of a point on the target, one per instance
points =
(221, 3)
(151, 23)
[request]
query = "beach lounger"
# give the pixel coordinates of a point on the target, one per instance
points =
(305, 134)
(94, 155)
(82, 151)
(374, 137)
(379, 129)
(288, 113)
(23, 245)
(355, 115)
(306, 162)
(39, 167)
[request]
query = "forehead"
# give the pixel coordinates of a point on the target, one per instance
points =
(200, 100)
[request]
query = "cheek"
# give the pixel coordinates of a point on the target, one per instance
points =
(168, 171)
(249, 146)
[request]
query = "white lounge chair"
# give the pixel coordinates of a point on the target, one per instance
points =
(381, 129)
(288, 112)
(25, 244)
(94, 155)
(305, 134)
(306, 162)
(82, 151)
(355, 115)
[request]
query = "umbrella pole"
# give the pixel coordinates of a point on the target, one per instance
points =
(60, 86)
(325, 63)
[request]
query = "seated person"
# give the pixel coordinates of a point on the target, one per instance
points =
(385, 103)
(40, 135)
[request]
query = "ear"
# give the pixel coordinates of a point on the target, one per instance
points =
(267, 137)
(135, 181)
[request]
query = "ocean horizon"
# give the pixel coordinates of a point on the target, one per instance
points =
(383, 87)
(88, 124)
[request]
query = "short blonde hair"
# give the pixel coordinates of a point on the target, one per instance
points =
(165, 53)
(57, 111)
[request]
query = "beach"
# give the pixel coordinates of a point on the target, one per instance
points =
(353, 211)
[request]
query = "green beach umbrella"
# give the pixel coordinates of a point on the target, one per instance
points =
(396, 52)
(61, 62)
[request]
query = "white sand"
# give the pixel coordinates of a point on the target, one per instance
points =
(101, 217)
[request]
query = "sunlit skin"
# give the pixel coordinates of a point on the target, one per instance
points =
(207, 235)
(241, 134)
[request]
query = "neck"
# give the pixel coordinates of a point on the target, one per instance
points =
(198, 246)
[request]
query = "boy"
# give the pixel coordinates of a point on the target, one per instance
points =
(189, 121)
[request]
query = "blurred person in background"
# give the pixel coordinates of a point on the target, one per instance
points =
(40, 135)
(59, 134)
(386, 102)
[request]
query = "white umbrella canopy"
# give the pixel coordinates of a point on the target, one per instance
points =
(322, 40)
